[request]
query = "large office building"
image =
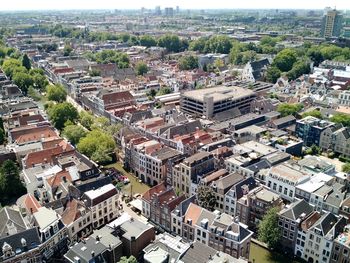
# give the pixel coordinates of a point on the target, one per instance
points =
(331, 23)
(211, 101)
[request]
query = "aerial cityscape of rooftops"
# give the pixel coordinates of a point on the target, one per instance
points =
(173, 133)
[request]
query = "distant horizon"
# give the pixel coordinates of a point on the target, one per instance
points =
(89, 5)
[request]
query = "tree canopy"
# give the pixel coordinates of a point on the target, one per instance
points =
(130, 259)
(60, 113)
(206, 197)
(172, 43)
(74, 133)
(56, 93)
(268, 230)
(346, 168)
(97, 145)
(273, 74)
(313, 113)
(23, 81)
(10, 184)
(164, 91)
(188, 62)
(289, 109)
(110, 56)
(26, 62)
(148, 41)
(10, 65)
(141, 68)
(341, 118)
(86, 119)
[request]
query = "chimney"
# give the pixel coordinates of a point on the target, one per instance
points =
(92, 254)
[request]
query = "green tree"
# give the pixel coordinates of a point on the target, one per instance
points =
(10, 184)
(100, 123)
(273, 74)
(2, 136)
(188, 62)
(313, 150)
(218, 44)
(86, 119)
(74, 133)
(10, 65)
(289, 109)
(151, 94)
(130, 259)
(198, 44)
(34, 94)
(346, 168)
(23, 81)
(148, 41)
(313, 113)
(40, 81)
(56, 93)
(60, 113)
(141, 68)
(164, 91)
(268, 229)
(26, 62)
(206, 197)
(172, 43)
(97, 145)
(285, 60)
(268, 41)
(341, 118)
(299, 68)
(94, 73)
(67, 50)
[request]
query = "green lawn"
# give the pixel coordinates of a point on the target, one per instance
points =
(137, 187)
(262, 255)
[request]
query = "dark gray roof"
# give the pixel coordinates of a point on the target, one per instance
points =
(30, 238)
(198, 253)
(248, 184)
(326, 223)
(11, 221)
(83, 251)
(256, 167)
(286, 119)
(258, 66)
(182, 129)
(297, 209)
(165, 153)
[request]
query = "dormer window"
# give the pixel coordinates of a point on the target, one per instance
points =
(55, 228)
(7, 250)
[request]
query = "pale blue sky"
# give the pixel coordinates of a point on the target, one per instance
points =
(184, 4)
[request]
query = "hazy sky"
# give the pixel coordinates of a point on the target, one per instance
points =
(184, 4)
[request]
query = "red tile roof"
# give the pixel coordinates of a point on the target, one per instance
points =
(31, 204)
(193, 212)
(48, 155)
(72, 212)
(154, 190)
(32, 133)
(57, 179)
